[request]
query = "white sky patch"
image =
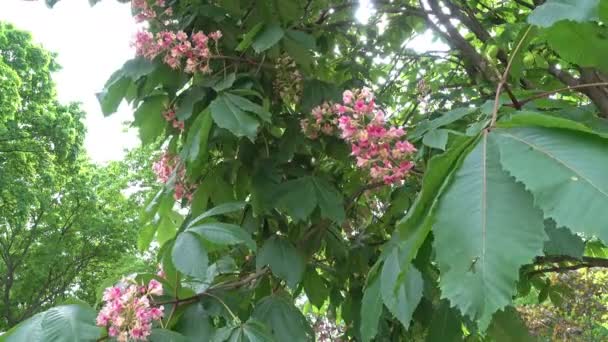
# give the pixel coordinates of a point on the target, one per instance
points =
(92, 42)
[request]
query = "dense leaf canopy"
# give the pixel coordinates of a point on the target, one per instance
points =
(288, 190)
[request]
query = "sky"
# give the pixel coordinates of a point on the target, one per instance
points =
(92, 43)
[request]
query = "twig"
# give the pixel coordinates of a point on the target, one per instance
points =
(585, 262)
(505, 75)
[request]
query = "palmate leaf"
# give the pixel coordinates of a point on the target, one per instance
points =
(572, 188)
(486, 228)
(64, 323)
(285, 261)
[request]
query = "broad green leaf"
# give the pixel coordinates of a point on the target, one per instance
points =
(563, 242)
(185, 106)
(164, 335)
(270, 35)
(329, 200)
(111, 97)
(189, 255)
(401, 287)
(480, 242)
(543, 120)
(149, 119)
(371, 310)
(197, 138)
(572, 188)
(316, 92)
(145, 237)
(283, 318)
(248, 37)
(445, 325)
(223, 234)
(221, 209)
(298, 197)
(257, 332)
(315, 288)
(195, 324)
(508, 327)
(65, 323)
(553, 11)
(284, 260)
(225, 82)
(249, 106)
(436, 138)
(307, 41)
(445, 119)
(579, 43)
(228, 115)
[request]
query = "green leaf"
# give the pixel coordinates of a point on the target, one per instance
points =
(187, 101)
(189, 255)
(298, 197)
(371, 310)
(225, 82)
(257, 332)
(572, 188)
(228, 115)
(270, 36)
(221, 209)
(303, 39)
(553, 11)
(445, 325)
(166, 230)
(66, 323)
(480, 242)
(284, 260)
(445, 119)
(195, 324)
(249, 106)
(401, 287)
(508, 327)
(329, 200)
(111, 97)
(283, 318)
(223, 234)
(223, 334)
(316, 92)
(315, 288)
(145, 237)
(248, 37)
(583, 44)
(197, 138)
(149, 119)
(563, 242)
(436, 138)
(164, 335)
(524, 119)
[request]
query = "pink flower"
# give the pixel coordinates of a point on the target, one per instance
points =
(112, 331)
(347, 97)
(169, 114)
(160, 3)
(360, 106)
(405, 146)
(215, 35)
(157, 313)
(362, 161)
(112, 293)
(181, 36)
(179, 125)
(200, 39)
(155, 287)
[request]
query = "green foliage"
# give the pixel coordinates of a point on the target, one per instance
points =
(508, 184)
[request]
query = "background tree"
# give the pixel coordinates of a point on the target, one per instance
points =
(64, 223)
(297, 191)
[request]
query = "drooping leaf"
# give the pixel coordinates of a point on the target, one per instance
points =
(189, 255)
(579, 43)
(315, 288)
(195, 324)
(563, 242)
(257, 332)
(65, 323)
(268, 37)
(572, 189)
(164, 335)
(228, 115)
(329, 200)
(248, 37)
(248, 106)
(284, 260)
(149, 119)
(553, 11)
(480, 244)
(508, 327)
(371, 309)
(225, 82)
(445, 325)
(445, 119)
(401, 287)
(436, 138)
(223, 234)
(283, 318)
(221, 209)
(185, 106)
(298, 197)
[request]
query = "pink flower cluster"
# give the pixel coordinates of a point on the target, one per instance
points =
(168, 165)
(169, 115)
(127, 311)
(380, 149)
(178, 47)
